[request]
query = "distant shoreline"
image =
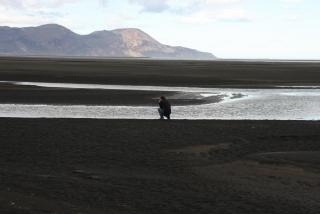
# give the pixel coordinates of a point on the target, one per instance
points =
(155, 59)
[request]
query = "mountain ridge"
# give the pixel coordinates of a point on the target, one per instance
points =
(57, 40)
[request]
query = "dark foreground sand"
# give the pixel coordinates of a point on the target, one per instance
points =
(132, 166)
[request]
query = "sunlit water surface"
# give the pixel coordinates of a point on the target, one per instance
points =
(255, 104)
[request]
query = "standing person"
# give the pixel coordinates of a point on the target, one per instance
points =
(164, 108)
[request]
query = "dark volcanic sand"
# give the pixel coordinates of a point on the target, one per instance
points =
(132, 166)
(18, 94)
(142, 72)
(161, 72)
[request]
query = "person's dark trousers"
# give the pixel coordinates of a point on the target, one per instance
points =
(162, 114)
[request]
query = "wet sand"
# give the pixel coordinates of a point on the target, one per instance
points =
(224, 74)
(132, 166)
(247, 74)
(17, 94)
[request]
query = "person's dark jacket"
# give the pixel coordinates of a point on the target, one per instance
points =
(165, 106)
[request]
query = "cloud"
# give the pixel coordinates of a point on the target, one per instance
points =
(291, 18)
(34, 12)
(222, 1)
(208, 11)
(33, 4)
(234, 15)
(293, 1)
(227, 15)
(152, 5)
(9, 4)
(103, 2)
(22, 20)
(31, 12)
(178, 6)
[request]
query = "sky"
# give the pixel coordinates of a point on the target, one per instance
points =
(245, 29)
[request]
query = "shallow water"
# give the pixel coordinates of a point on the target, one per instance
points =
(254, 104)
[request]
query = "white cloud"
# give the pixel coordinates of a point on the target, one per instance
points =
(35, 12)
(222, 1)
(22, 20)
(291, 18)
(152, 5)
(234, 15)
(31, 12)
(32, 4)
(228, 15)
(181, 6)
(208, 11)
(293, 1)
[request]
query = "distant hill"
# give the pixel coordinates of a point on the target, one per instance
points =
(57, 40)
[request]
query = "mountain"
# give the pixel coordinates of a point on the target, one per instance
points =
(57, 40)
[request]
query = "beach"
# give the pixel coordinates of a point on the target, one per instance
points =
(101, 165)
(136, 166)
(216, 73)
